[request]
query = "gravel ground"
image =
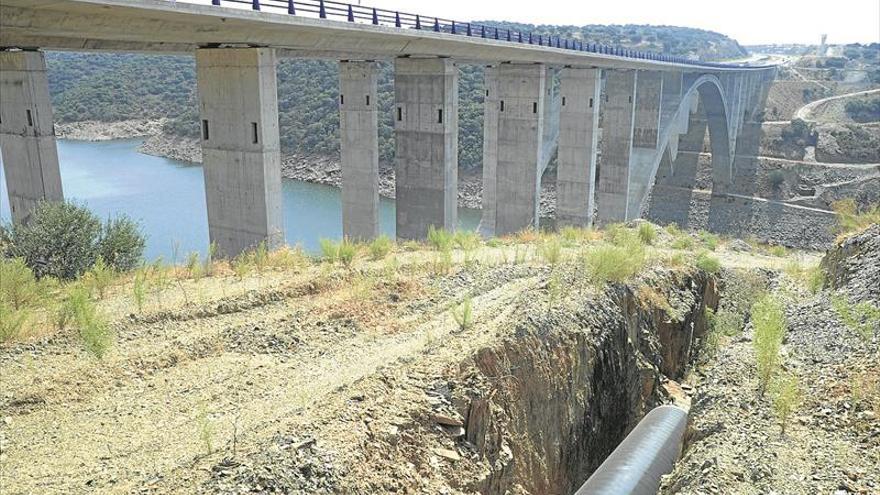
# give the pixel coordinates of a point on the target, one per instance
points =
(735, 443)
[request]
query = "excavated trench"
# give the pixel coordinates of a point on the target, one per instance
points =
(545, 406)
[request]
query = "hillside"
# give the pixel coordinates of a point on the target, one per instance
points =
(512, 366)
(114, 87)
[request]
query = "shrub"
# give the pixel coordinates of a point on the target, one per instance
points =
(121, 244)
(768, 321)
(551, 251)
(208, 267)
(862, 318)
(709, 240)
(329, 250)
(100, 277)
(610, 263)
(139, 289)
(554, 289)
(866, 110)
(63, 240)
(708, 263)
(12, 321)
(647, 233)
(683, 241)
(850, 219)
(440, 239)
(19, 288)
(673, 229)
(286, 257)
(443, 262)
(380, 247)
(464, 314)
(727, 322)
(194, 265)
(812, 278)
(347, 251)
(260, 256)
(775, 179)
(467, 240)
(778, 251)
(786, 398)
(94, 331)
(59, 240)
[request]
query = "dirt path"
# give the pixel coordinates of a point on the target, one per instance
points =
(806, 111)
(137, 417)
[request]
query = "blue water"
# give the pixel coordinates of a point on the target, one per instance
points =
(167, 198)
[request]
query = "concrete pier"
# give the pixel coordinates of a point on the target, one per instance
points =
(612, 192)
(359, 143)
(426, 134)
(490, 150)
(520, 132)
(646, 133)
(240, 147)
(27, 133)
(578, 136)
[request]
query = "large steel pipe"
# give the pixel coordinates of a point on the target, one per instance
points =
(645, 455)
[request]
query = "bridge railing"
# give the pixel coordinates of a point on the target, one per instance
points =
(340, 11)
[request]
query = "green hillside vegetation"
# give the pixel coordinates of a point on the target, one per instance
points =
(113, 87)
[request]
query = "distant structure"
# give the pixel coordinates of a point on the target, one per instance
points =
(823, 47)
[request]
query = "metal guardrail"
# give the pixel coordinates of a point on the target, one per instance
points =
(645, 455)
(328, 9)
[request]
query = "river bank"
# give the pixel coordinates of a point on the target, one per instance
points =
(325, 169)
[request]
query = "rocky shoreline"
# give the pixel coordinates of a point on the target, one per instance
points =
(91, 130)
(325, 169)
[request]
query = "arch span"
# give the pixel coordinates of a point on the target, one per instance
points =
(703, 106)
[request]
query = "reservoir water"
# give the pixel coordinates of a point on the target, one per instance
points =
(167, 198)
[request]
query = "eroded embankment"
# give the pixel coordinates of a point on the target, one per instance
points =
(546, 405)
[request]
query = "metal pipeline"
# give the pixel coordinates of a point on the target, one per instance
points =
(646, 454)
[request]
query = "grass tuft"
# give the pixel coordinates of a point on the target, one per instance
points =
(380, 247)
(440, 239)
(614, 263)
(708, 263)
(647, 233)
(850, 220)
(551, 251)
(464, 314)
(768, 320)
(786, 398)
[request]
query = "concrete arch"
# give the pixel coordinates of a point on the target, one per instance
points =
(710, 94)
(707, 94)
(703, 107)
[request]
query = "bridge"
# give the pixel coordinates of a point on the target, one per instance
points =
(617, 120)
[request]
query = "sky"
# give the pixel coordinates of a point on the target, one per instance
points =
(748, 21)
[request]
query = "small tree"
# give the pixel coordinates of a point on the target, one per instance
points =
(121, 244)
(786, 398)
(64, 239)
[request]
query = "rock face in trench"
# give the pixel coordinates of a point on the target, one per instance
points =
(544, 407)
(853, 265)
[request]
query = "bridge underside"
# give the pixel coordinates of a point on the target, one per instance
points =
(614, 125)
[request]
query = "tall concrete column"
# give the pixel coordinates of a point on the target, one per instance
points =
(646, 134)
(521, 94)
(359, 143)
(578, 136)
(617, 141)
(426, 135)
(238, 104)
(490, 150)
(27, 133)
